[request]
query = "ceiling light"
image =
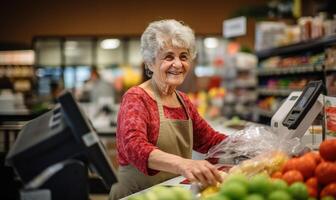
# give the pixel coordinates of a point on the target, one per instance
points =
(211, 42)
(110, 43)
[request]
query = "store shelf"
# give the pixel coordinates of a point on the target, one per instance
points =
(265, 113)
(292, 70)
(330, 69)
(297, 48)
(274, 92)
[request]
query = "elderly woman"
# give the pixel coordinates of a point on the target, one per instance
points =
(158, 126)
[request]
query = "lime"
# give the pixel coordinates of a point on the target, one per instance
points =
(328, 198)
(161, 192)
(260, 184)
(217, 197)
(137, 197)
(182, 193)
(298, 190)
(238, 177)
(254, 197)
(279, 195)
(279, 184)
(150, 195)
(234, 190)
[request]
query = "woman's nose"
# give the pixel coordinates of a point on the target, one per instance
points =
(177, 62)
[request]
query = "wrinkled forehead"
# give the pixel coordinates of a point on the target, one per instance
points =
(173, 50)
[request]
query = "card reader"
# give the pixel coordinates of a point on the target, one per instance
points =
(307, 99)
(299, 110)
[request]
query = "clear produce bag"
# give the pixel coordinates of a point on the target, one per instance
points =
(252, 141)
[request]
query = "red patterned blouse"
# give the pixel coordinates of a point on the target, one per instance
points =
(138, 128)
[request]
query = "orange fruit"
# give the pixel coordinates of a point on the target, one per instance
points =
(312, 182)
(277, 175)
(306, 165)
(292, 176)
(312, 192)
(329, 190)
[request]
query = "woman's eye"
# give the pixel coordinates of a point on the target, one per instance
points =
(184, 57)
(169, 57)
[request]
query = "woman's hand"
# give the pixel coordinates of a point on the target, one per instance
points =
(199, 171)
(194, 170)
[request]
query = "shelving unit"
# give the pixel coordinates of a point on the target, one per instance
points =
(285, 69)
(17, 70)
(241, 86)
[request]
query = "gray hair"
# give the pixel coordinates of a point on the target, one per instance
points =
(166, 32)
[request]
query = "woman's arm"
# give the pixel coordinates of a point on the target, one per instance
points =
(194, 170)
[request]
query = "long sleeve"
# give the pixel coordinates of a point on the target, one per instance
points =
(132, 136)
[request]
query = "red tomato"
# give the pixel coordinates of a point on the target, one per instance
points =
(306, 165)
(325, 172)
(312, 182)
(312, 192)
(290, 164)
(292, 176)
(329, 190)
(328, 149)
(315, 155)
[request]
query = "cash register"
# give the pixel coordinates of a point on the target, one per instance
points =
(53, 152)
(299, 110)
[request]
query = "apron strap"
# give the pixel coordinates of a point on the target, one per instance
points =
(157, 99)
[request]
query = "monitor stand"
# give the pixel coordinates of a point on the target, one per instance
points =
(67, 180)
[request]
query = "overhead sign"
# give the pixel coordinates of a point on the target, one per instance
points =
(234, 27)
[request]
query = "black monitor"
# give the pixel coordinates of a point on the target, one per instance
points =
(61, 134)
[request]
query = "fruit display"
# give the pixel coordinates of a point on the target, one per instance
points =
(271, 176)
(258, 187)
(163, 193)
(310, 176)
(317, 170)
(265, 163)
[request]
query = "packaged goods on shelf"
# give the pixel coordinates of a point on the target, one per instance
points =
(276, 34)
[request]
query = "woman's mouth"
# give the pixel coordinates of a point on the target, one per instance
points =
(175, 73)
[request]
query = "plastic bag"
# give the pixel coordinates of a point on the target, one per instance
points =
(251, 142)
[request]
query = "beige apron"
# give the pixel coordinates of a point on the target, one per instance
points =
(175, 137)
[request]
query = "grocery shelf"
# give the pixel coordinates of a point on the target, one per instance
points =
(296, 48)
(274, 92)
(330, 69)
(291, 70)
(264, 112)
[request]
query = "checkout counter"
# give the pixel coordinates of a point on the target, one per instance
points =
(66, 126)
(291, 120)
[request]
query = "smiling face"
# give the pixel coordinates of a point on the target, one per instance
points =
(171, 67)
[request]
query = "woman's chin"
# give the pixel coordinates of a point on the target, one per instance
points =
(175, 82)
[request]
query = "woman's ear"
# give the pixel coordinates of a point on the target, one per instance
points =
(149, 66)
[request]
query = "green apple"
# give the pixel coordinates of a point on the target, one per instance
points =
(260, 184)
(181, 193)
(254, 197)
(279, 184)
(299, 191)
(279, 195)
(328, 198)
(237, 177)
(234, 190)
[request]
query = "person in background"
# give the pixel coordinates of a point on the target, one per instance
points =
(95, 88)
(158, 126)
(55, 90)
